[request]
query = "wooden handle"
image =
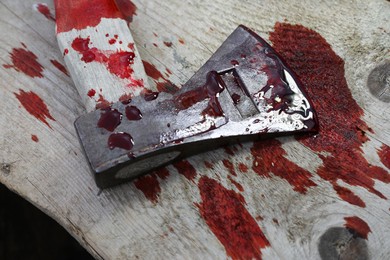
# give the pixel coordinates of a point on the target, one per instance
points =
(99, 52)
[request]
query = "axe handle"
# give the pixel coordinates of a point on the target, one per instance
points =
(99, 51)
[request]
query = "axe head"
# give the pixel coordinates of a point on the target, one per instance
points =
(245, 91)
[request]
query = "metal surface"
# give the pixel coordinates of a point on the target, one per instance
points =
(257, 94)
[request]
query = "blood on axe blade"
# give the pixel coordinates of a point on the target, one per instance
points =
(243, 92)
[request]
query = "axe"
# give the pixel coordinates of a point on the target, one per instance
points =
(245, 91)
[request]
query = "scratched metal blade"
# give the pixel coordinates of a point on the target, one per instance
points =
(260, 96)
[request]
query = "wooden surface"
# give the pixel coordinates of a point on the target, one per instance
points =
(287, 198)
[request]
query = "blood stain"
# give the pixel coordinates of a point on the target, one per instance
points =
(112, 41)
(133, 113)
(26, 62)
(34, 138)
(269, 156)
(125, 99)
(91, 93)
(149, 95)
(235, 183)
(384, 155)
(44, 9)
(163, 84)
(224, 212)
(34, 105)
(128, 8)
(229, 165)
(168, 44)
(357, 226)
(109, 119)
(149, 186)
(242, 167)
(83, 14)
(120, 140)
(181, 41)
(186, 169)
(59, 66)
(322, 74)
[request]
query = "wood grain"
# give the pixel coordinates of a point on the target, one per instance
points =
(121, 222)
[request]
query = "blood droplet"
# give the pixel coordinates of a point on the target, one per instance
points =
(109, 119)
(120, 140)
(133, 113)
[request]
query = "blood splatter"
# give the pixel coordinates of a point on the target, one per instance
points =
(384, 155)
(149, 186)
(26, 62)
(112, 41)
(102, 103)
(59, 66)
(322, 74)
(149, 95)
(82, 14)
(91, 93)
(133, 113)
(269, 156)
(34, 138)
(118, 63)
(224, 212)
(163, 84)
(181, 41)
(186, 169)
(168, 44)
(44, 9)
(357, 226)
(109, 119)
(125, 99)
(120, 140)
(66, 51)
(163, 173)
(242, 167)
(34, 105)
(235, 183)
(229, 165)
(128, 9)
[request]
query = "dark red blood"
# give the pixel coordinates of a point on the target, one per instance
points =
(321, 71)
(228, 150)
(163, 84)
(168, 71)
(357, 226)
(168, 44)
(275, 221)
(120, 140)
(102, 103)
(91, 93)
(116, 36)
(186, 169)
(66, 51)
(163, 173)
(234, 62)
(72, 15)
(155, 45)
(107, 35)
(150, 95)
(214, 85)
(224, 212)
(25, 61)
(242, 167)
(60, 67)
(181, 41)
(34, 105)
(43, 9)
(34, 138)
(269, 157)
(235, 183)
(112, 41)
(128, 9)
(109, 119)
(229, 165)
(208, 165)
(81, 45)
(133, 113)
(149, 186)
(236, 98)
(125, 99)
(384, 155)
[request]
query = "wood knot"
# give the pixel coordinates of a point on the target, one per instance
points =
(6, 168)
(378, 82)
(343, 244)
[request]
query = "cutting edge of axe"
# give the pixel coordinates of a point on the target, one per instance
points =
(244, 92)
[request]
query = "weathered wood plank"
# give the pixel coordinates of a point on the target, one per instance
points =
(291, 201)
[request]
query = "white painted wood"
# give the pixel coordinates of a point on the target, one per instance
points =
(95, 75)
(120, 223)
